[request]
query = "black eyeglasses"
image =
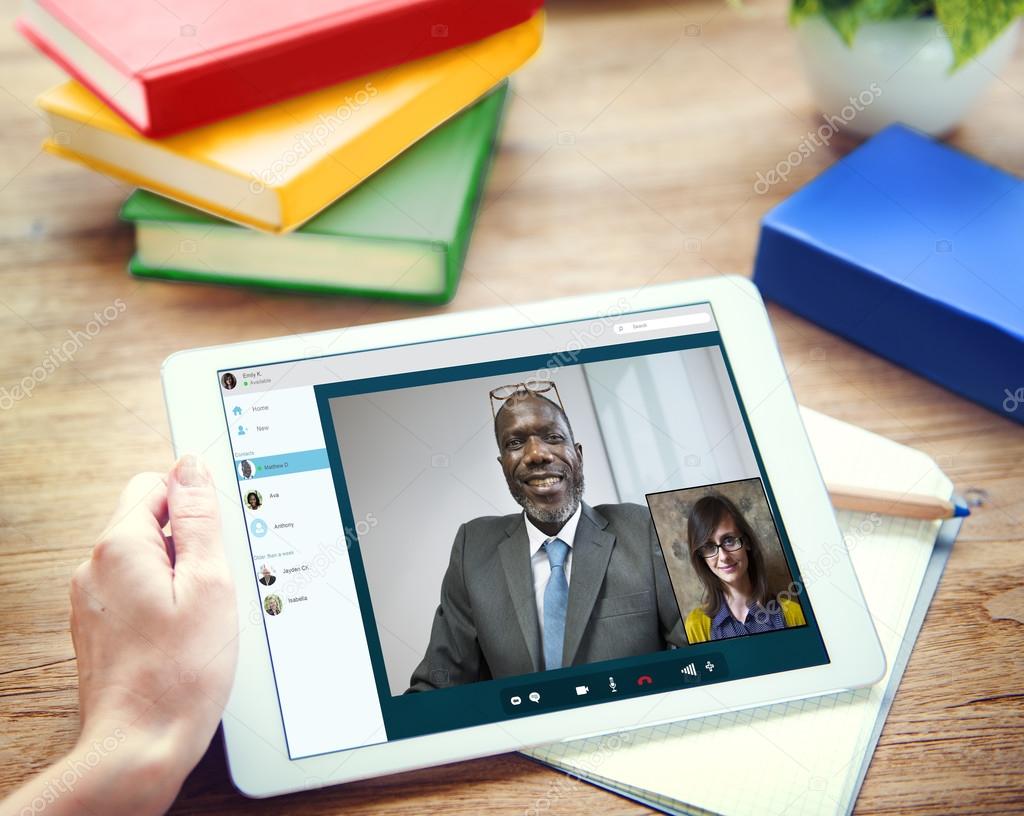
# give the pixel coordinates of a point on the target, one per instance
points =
(728, 543)
(519, 390)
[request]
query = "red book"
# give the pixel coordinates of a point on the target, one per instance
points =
(178, 64)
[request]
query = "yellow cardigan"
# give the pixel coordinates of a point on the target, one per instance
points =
(698, 624)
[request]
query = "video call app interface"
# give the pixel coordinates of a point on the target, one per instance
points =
(491, 527)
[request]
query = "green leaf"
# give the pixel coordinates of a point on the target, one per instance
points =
(972, 25)
(847, 16)
(801, 9)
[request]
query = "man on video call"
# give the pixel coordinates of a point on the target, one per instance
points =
(560, 584)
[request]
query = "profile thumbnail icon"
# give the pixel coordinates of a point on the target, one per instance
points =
(273, 605)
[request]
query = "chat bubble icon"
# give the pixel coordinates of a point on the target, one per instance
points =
(534, 696)
(516, 700)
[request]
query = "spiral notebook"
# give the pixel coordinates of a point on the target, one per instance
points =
(809, 756)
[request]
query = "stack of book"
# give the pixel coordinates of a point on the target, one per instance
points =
(319, 145)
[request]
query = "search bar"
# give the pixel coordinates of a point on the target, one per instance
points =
(659, 323)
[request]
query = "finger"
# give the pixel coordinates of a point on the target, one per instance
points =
(142, 508)
(194, 515)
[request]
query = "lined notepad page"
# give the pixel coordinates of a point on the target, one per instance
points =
(801, 757)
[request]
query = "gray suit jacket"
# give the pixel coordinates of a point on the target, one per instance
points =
(620, 600)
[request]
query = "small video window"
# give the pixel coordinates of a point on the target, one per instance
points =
(726, 563)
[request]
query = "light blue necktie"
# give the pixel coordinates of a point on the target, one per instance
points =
(556, 599)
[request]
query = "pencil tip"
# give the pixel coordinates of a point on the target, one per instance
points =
(960, 510)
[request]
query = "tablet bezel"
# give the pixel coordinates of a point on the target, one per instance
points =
(253, 733)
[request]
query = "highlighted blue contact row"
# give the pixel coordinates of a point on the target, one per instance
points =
(297, 462)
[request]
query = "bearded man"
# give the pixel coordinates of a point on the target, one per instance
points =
(559, 584)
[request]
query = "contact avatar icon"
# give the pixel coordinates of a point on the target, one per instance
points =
(258, 528)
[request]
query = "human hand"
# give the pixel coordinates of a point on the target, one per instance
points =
(155, 630)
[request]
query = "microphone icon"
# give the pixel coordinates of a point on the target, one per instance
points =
(611, 684)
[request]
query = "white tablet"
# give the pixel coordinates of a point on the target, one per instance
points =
(471, 533)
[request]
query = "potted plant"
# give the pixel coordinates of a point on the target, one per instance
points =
(919, 62)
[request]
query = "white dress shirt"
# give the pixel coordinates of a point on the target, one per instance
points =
(539, 558)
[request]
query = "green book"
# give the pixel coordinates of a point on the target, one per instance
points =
(403, 233)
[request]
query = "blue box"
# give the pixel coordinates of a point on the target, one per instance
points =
(915, 251)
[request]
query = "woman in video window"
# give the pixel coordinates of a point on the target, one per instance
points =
(727, 556)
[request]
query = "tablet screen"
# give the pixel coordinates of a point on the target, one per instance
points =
(473, 530)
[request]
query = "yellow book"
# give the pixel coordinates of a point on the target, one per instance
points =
(276, 167)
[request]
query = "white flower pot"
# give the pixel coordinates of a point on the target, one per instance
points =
(896, 71)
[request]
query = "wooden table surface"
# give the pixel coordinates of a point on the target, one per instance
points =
(629, 158)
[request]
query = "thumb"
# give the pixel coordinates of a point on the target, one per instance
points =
(194, 515)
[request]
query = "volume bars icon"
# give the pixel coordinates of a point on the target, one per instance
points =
(690, 670)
